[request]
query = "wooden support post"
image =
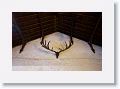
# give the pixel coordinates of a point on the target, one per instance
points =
(21, 34)
(92, 35)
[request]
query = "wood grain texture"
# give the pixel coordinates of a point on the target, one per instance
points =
(32, 23)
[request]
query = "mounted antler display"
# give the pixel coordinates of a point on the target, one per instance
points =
(49, 23)
(46, 45)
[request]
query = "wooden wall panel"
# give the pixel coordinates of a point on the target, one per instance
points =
(16, 40)
(97, 39)
(85, 23)
(82, 24)
(32, 23)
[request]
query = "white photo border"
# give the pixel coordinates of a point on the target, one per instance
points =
(104, 76)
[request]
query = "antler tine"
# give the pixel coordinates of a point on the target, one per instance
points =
(62, 47)
(70, 43)
(48, 45)
(52, 48)
(45, 42)
(59, 48)
(66, 44)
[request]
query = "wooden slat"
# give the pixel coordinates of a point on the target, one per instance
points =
(21, 14)
(29, 26)
(27, 18)
(28, 22)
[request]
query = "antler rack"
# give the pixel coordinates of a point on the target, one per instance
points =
(45, 44)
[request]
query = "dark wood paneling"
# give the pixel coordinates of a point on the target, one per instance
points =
(32, 23)
(16, 40)
(85, 23)
(98, 34)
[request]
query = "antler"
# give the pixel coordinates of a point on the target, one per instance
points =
(46, 45)
(67, 46)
